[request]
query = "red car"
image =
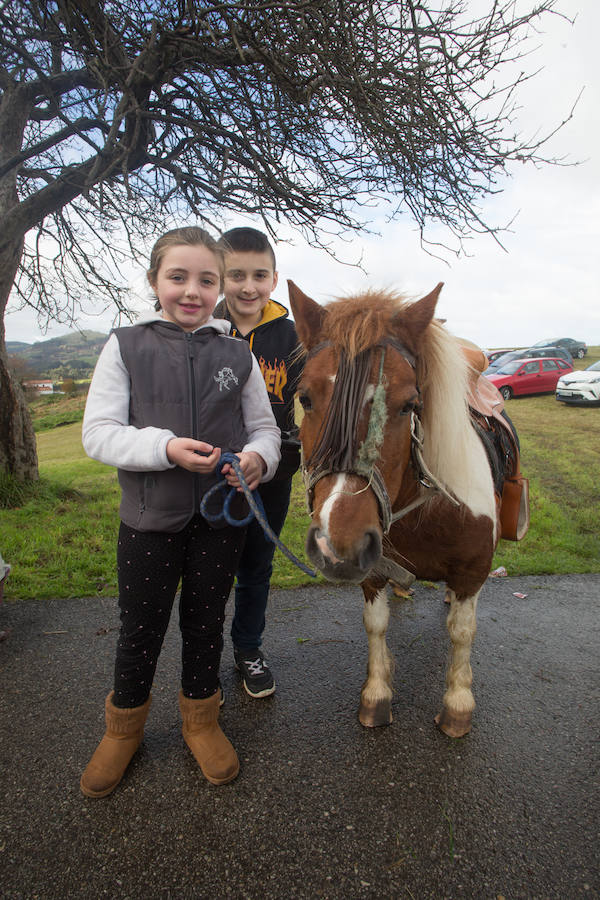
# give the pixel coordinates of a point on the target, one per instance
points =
(529, 376)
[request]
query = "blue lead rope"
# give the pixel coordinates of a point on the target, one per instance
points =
(255, 503)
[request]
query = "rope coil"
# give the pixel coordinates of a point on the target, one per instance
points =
(255, 503)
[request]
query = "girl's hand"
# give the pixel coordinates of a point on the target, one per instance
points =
(253, 467)
(195, 456)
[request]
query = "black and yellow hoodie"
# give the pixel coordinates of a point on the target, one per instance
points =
(274, 343)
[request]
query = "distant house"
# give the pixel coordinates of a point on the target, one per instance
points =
(41, 386)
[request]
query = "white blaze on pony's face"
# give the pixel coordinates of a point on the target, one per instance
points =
(339, 489)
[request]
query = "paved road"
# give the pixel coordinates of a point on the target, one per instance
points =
(322, 807)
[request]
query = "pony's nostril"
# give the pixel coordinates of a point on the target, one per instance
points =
(319, 548)
(370, 549)
(313, 550)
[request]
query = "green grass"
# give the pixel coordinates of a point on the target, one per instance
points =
(61, 536)
(54, 410)
(61, 541)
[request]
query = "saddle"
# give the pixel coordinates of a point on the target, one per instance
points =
(497, 432)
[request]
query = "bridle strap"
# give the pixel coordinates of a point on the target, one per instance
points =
(426, 477)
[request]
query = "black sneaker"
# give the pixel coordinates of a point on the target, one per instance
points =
(254, 669)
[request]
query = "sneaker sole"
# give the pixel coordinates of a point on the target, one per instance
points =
(258, 694)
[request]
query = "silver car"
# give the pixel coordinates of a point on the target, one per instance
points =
(580, 386)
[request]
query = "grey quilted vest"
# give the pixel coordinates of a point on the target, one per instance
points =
(190, 383)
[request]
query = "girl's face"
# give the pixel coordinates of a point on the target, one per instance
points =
(187, 285)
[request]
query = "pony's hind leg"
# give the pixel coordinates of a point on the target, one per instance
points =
(376, 695)
(455, 717)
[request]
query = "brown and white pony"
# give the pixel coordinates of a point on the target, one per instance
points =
(398, 480)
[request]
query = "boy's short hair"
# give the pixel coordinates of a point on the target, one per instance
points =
(247, 240)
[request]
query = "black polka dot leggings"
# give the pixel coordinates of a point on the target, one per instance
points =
(149, 566)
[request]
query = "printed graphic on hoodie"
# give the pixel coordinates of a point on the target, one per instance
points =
(224, 378)
(275, 375)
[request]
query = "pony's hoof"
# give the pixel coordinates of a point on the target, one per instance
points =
(372, 715)
(455, 725)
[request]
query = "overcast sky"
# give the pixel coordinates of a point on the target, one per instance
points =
(546, 283)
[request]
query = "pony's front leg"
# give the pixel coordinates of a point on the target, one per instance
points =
(455, 717)
(376, 695)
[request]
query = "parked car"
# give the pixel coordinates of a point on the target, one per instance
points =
(530, 353)
(494, 354)
(576, 348)
(529, 376)
(580, 387)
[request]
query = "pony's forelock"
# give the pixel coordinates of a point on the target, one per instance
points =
(355, 323)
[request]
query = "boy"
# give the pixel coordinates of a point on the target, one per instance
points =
(250, 278)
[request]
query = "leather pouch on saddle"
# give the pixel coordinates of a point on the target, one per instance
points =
(487, 403)
(514, 510)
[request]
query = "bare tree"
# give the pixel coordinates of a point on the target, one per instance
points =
(116, 114)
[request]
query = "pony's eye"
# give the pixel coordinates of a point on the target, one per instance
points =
(408, 407)
(305, 402)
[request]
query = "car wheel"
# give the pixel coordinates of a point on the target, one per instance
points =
(506, 392)
(580, 354)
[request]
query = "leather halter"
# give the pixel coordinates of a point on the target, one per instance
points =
(373, 475)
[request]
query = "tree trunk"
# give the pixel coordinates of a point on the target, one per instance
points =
(18, 453)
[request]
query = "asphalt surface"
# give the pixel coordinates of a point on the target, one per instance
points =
(322, 807)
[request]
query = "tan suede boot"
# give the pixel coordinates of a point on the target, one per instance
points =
(201, 731)
(124, 733)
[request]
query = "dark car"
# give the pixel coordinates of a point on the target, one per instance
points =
(575, 348)
(529, 376)
(494, 354)
(530, 353)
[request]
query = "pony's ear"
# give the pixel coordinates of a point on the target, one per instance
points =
(417, 316)
(308, 316)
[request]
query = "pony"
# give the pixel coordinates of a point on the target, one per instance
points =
(399, 484)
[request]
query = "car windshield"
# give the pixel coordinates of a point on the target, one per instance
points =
(551, 343)
(500, 360)
(595, 367)
(510, 368)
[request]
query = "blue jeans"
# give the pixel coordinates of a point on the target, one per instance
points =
(256, 567)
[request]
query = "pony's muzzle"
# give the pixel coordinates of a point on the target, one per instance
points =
(352, 564)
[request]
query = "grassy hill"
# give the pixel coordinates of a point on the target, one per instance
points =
(72, 355)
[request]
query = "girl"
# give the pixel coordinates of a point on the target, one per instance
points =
(168, 395)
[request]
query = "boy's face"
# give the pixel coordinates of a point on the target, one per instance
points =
(247, 286)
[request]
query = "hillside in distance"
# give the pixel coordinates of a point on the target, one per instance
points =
(72, 355)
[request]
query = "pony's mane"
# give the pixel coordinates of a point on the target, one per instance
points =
(442, 375)
(356, 323)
